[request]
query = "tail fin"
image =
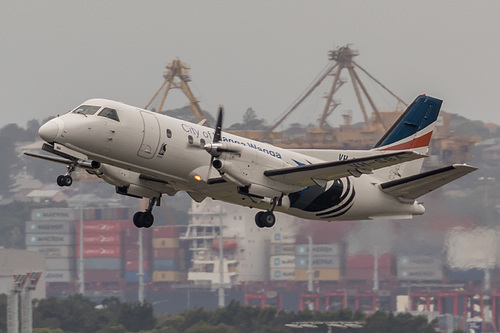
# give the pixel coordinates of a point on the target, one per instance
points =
(412, 131)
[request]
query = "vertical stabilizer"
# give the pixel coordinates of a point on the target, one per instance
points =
(412, 131)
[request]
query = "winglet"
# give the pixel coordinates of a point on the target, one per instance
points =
(415, 126)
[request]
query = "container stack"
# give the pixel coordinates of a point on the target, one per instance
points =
(361, 267)
(131, 254)
(52, 232)
(420, 268)
(102, 251)
(282, 258)
(169, 264)
(326, 261)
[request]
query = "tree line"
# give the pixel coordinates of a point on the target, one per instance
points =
(78, 314)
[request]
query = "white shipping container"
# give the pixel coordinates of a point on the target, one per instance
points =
(54, 251)
(50, 239)
(54, 214)
(60, 264)
(418, 261)
(280, 274)
(421, 274)
(283, 261)
(280, 249)
(319, 249)
(52, 276)
(280, 237)
(50, 227)
(318, 262)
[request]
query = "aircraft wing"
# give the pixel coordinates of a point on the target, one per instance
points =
(415, 186)
(319, 173)
(50, 158)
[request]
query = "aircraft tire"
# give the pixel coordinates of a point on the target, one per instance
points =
(147, 220)
(68, 180)
(268, 219)
(258, 220)
(138, 220)
(60, 180)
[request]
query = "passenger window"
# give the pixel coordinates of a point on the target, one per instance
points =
(190, 139)
(109, 113)
(169, 133)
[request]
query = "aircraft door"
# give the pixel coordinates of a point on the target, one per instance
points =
(151, 137)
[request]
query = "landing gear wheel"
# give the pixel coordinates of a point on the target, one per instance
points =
(143, 219)
(64, 180)
(137, 219)
(268, 219)
(258, 220)
(147, 220)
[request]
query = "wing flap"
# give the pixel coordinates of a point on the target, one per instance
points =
(307, 175)
(415, 186)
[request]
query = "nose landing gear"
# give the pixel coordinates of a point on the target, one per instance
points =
(146, 219)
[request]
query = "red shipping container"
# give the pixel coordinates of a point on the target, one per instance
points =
(366, 274)
(99, 239)
(102, 275)
(99, 251)
(133, 265)
(166, 253)
(130, 230)
(133, 254)
(367, 261)
(102, 226)
(166, 232)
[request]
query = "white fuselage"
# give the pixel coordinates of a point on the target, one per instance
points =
(168, 150)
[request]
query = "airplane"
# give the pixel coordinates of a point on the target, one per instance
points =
(145, 155)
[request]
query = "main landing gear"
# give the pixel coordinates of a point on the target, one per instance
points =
(66, 179)
(146, 219)
(266, 219)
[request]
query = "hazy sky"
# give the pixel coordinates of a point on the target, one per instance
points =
(260, 54)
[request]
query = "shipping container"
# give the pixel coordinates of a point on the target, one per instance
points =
(60, 264)
(285, 238)
(420, 274)
(133, 265)
(281, 274)
(58, 276)
(280, 249)
(102, 263)
(169, 276)
(319, 249)
(133, 254)
(50, 227)
(366, 274)
(284, 261)
(54, 251)
(100, 239)
(159, 243)
(318, 261)
(133, 276)
(166, 232)
(106, 275)
(418, 261)
(99, 251)
(367, 261)
(102, 227)
(166, 253)
(169, 265)
(131, 232)
(419, 267)
(319, 274)
(54, 214)
(474, 274)
(50, 239)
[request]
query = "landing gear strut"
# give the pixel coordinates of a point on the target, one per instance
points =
(146, 219)
(266, 219)
(66, 179)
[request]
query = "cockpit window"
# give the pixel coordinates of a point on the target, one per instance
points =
(109, 113)
(87, 109)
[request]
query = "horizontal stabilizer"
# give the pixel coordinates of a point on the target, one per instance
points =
(415, 186)
(306, 175)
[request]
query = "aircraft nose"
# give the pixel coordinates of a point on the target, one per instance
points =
(49, 131)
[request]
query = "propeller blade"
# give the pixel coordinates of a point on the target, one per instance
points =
(218, 127)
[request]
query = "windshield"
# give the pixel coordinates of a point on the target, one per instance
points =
(87, 109)
(109, 113)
